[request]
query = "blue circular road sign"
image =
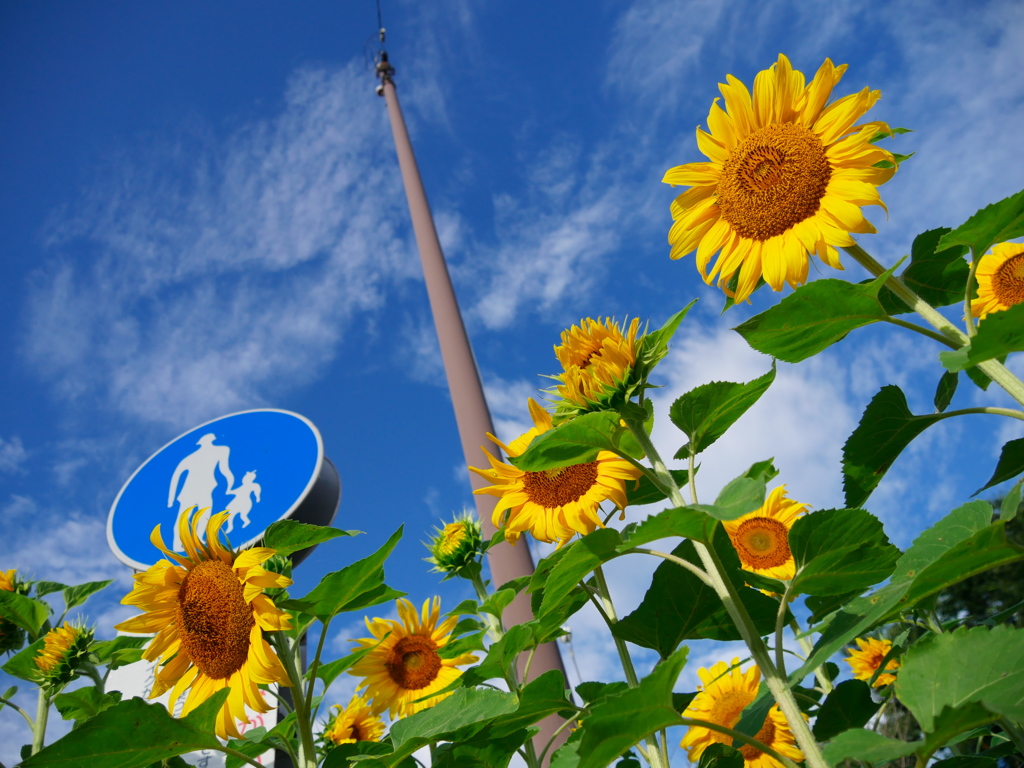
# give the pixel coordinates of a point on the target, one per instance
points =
(260, 466)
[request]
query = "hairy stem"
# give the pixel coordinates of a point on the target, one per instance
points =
(303, 719)
(726, 591)
(695, 570)
(39, 727)
(923, 331)
(808, 647)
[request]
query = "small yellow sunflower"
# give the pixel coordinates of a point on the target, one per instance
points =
(867, 658)
(553, 504)
(787, 175)
(8, 580)
(209, 614)
(356, 722)
(405, 666)
(597, 359)
(1000, 279)
(761, 537)
(725, 693)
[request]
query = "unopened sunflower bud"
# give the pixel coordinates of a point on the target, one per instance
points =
(456, 545)
(64, 651)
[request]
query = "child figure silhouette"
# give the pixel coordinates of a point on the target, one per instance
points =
(241, 504)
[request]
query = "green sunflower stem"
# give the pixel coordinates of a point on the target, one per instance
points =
(495, 630)
(654, 755)
(303, 718)
(741, 737)
(726, 590)
(808, 647)
(39, 727)
(992, 368)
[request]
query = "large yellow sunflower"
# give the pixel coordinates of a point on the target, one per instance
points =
(761, 537)
(404, 665)
(356, 722)
(597, 358)
(1000, 279)
(209, 612)
(725, 693)
(553, 504)
(867, 658)
(787, 175)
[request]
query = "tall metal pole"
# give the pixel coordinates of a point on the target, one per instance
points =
(471, 413)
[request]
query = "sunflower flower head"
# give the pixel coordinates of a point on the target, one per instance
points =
(1000, 279)
(406, 666)
(209, 613)
(356, 722)
(788, 171)
(65, 650)
(12, 637)
(598, 360)
(725, 693)
(866, 659)
(553, 504)
(761, 537)
(456, 545)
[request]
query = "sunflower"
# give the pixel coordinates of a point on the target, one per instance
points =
(356, 722)
(726, 692)
(761, 537)
(8, 580)
(866, 660)
(597, 359)
(404, 665)
(1000, 279)
(553, 504)
(65, 649)
(209, 612)
(456, 545)
(787, 175)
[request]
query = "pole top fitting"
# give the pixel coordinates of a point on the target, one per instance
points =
(384, 70)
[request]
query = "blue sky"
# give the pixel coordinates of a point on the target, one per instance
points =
(202, 213)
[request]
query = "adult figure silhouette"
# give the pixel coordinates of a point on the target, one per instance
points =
(200, 471)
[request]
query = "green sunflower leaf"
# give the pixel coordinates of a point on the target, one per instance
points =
(83, 703)
(460, 716)
(48, 587)
(679, 606)
(992, 224)
(980, 666)
(885, 429)
(582, 557)
(1011, 501)
(22, 665)
(705, 414)
(652, 347)
(28, 613)
(577, 442)
(481, 751)
(962, 544)
(1011, 464)
(329, 672)
(937, 276)
(741, 495)
(865, 746)
(133, 734)
(678, 521)
(289, 536)
(998, 335)
(814, 317)
(644, 491)
(619, 722)
(353, 588)
(945, 390)
(839, 550)
(721, 756)
(542, 696)
(76, 596)
(118, 652)
(848, 706)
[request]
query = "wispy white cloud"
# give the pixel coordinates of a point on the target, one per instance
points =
(193, 282)
(12, 454)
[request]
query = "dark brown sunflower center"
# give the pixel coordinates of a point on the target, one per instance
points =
(762, 543)
(553, 488)
(214, 620)
(413, 663)
(1008, 281)
(774, 179)
(766, 736)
